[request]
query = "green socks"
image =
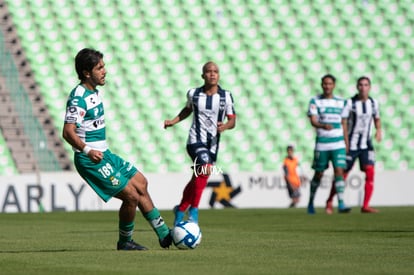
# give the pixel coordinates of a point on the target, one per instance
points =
(340, 187)
(125, 231)
(157, 223)
(313, 187)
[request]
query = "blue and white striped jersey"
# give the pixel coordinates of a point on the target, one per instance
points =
(361, 115)
(207, 112)
(85, 109)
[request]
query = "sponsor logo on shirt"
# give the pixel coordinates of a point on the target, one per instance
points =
(222, 105)
(98, 122)
(71, 119)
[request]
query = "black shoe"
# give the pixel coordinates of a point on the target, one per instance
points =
(166, 241)
(130, 245)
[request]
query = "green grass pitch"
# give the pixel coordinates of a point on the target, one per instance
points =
(235, 241)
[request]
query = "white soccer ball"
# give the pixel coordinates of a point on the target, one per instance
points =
(186, 235)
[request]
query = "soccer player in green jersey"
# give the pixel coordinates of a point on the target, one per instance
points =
(326, 116)
(106, 173)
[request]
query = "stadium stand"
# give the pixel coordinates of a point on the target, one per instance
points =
(27, 127)
(271, 54)
(7, 166)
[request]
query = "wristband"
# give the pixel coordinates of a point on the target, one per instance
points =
(86, 149)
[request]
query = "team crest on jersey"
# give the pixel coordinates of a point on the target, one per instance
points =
(205, 157)
(114, 180)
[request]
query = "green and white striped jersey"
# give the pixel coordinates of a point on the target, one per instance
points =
(329, 111)
(85, 109)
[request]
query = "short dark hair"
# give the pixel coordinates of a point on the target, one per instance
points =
(290, 147)
(85, 60)
(328, 76)
(364, 78)
(207, 64)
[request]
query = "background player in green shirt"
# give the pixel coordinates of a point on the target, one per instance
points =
(326, 116)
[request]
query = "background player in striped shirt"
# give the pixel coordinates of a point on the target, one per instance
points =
(362, 111)
(325, 114)
(211, 106)
(107, 174)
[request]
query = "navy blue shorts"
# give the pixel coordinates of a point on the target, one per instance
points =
(365, 157)
(201, 154)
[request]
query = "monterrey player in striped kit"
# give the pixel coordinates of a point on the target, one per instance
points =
(361, 111)
(210, 105)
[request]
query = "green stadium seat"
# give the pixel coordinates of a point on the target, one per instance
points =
(271, 56)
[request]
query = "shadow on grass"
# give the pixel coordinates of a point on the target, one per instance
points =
(52, 251)
(106, 231)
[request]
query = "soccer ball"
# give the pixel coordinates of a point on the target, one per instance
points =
(186, 235)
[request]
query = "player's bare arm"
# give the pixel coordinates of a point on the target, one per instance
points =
(315, 123)
(69, 134)
(378, 133)
(184, 113)
(345, 129)
(230, 124)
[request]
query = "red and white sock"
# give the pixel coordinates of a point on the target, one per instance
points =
(369, 184)
(187, 195)
(200, 183)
